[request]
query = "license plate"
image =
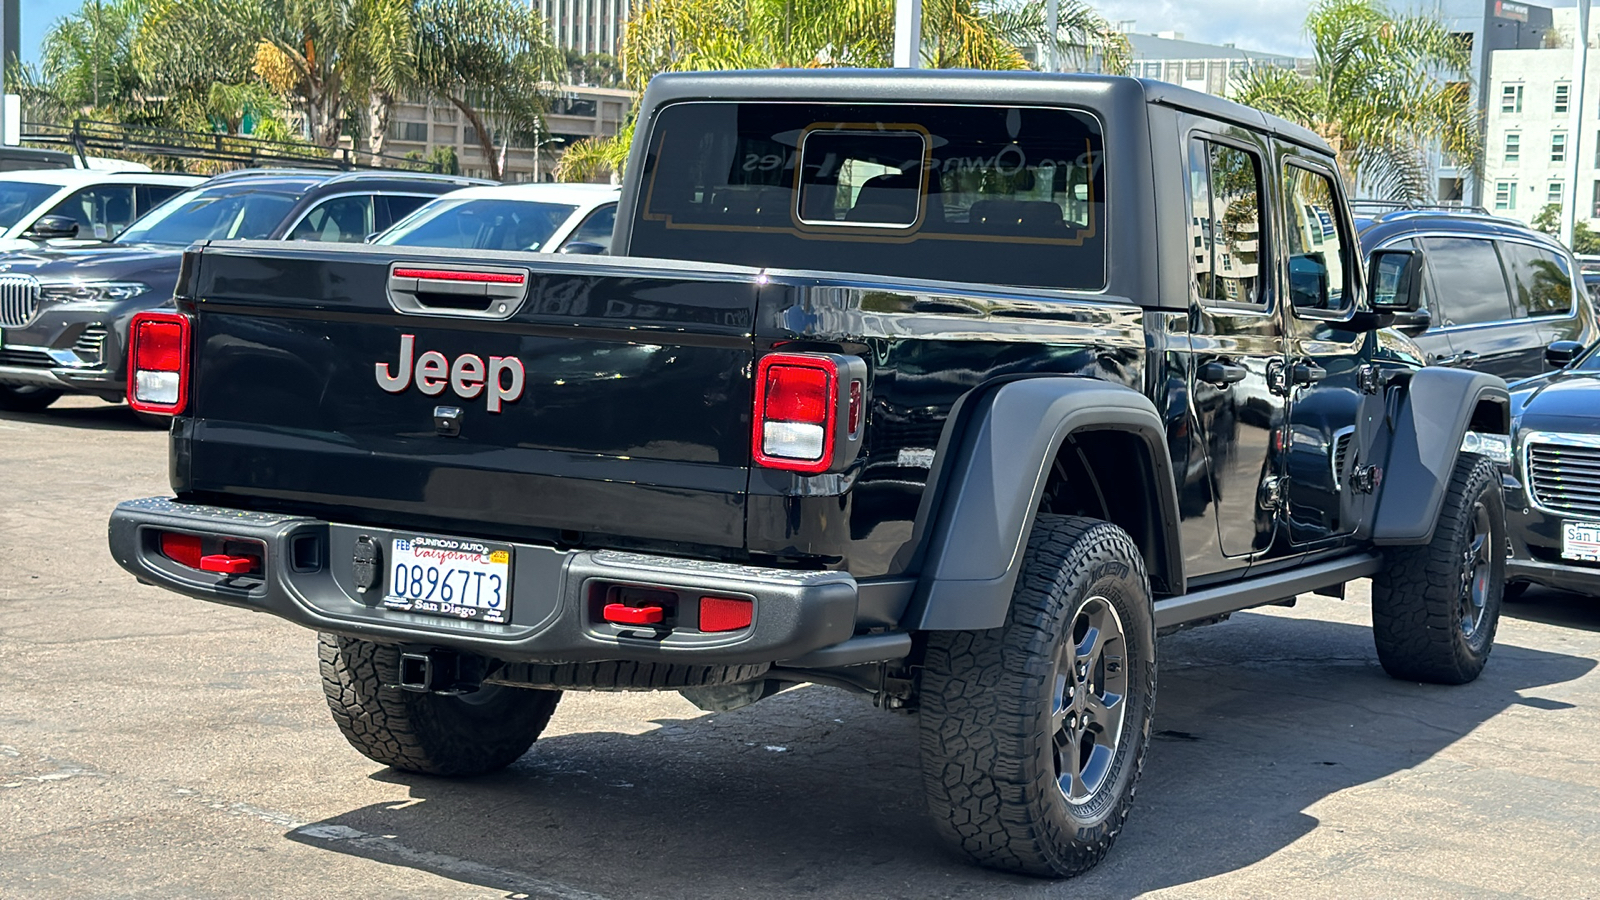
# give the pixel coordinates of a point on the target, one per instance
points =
(1581, 541)
(456, 577)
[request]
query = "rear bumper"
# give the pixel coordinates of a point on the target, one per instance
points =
(307, 577)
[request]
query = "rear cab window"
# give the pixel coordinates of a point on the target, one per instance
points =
(992, 195)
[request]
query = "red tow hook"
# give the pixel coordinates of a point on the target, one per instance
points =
(228, 565)
(632, 615)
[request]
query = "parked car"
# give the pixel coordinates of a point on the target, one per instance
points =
(902, 382)
(549, 218)
(27, 158)
(1554, 522)
(56, 207)
(1496, 293)
(64, 313)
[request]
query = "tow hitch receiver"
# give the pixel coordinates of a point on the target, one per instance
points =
(439, 672)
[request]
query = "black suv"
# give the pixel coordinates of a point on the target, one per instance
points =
(64, 313)
(1495, 292)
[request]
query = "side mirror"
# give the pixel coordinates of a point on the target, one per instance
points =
(586, 248)
(1560, 354)
(47, 227)
(1396, 279)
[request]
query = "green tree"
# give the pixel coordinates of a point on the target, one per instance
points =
(1584, 240)
(493, 61)
(1385, 91)
(85, 65)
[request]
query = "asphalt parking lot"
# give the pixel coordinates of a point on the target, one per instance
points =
(156, 746)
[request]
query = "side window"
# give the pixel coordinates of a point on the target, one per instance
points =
(101, 212)
(1225, 222)
(397, 208)
(339, 220)
(597, 228)
(151, 196)
(1319, 259)
(1467, 274)
(1541, 283)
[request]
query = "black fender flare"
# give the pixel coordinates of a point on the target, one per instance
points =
(992, 491)
(1434, 416)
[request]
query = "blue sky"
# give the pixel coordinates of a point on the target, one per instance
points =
(1268, 25)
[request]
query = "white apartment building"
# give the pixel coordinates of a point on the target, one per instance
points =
(580, 112)
(587, 26)
(1529, 139)
(1210, 68)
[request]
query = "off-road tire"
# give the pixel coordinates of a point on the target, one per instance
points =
(988, 697)
(431, 734)
(26, 398)
(624, 676)
(1417, 622)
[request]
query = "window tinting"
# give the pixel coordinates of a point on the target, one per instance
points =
(481, 224)
(1319, 259)
(341, 220)
(226, 212)
(1470, 286)
(597, 228)
(1542, 286)
(102, 211)
(1225, 221)
(993, 195)
(17, 198)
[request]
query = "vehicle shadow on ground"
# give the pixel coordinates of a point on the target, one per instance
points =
(1553, 607)
(814, 792)
(99, 416)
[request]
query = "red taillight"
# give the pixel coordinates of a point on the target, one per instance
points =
(158, 362)
(725, 613)
(181, 548)
(797, 400)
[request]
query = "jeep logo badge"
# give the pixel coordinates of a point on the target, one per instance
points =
(502, 379)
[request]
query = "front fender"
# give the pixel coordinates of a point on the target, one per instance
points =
(1434, 416)
(993, 491)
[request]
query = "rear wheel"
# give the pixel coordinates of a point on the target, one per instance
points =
(26, 397)
(467, 734)
(1033, 734)
(1435, 608)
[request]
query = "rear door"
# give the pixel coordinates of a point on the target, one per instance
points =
(1473, 293)
(1544, 293)
(1236, 339)
(477, 395)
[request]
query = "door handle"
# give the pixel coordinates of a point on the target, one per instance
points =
(1464, 358)
(1222, 374)
(1306, 373)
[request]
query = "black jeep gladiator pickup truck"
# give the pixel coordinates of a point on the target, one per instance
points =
(952, 389)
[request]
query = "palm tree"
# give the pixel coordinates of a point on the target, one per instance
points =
(493, 60)
(697, 35)
(85, 64)
(1385, 92)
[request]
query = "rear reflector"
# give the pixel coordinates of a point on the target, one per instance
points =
(158, 362)
(181, 548)
(230, 565)
(632, 615)
(725, 613)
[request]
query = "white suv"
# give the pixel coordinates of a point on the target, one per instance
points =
(57, 207)
(547, 218)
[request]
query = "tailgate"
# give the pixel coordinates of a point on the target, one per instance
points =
(482, 394)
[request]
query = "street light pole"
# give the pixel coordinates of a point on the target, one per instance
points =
(907, 34)
(1575, 106)
(1052, 21)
